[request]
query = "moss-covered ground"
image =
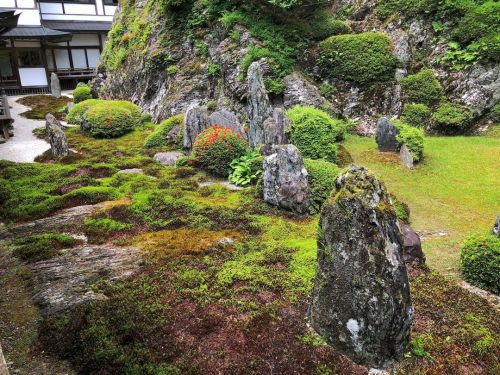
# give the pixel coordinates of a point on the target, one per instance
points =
(452, 193)
(202, 306)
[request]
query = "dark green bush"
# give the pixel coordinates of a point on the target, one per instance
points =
(216, 147)
(452, 118)
(314, 132)
(81, 93)
(41, 246)
(159, 137)
(106, 120)
(321, 178)
(361, 58)
(480, 261)
(412, 137)
(417, 115)
(422, 87)
(322, 25)
(478, 22)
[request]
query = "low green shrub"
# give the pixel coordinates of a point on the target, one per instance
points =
(159, 137)
(451, 118)
(245, 169)
(361, 58)
(81, 93)
(413, 138)
(495, 113)
(478, 22)
(91, 195)
(109, 121)
(322, 25)
(216, 147)
(480, 261)
(422, 87)
(75, 115)
(314, 132)
(417, 115)
(321, 178)
(97, 230)
(41, 246)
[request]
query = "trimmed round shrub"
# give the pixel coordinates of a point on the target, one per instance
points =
(216, 147)
(322, 25)
(105, 121)
(480, 261)
(417, 115)
(159, 137)
(413, 138)
(361, 58)
(478, 22)
(82, 92)
(75, 115)
(321, 178)
(314, 132)
(452, 118)
(422, 87)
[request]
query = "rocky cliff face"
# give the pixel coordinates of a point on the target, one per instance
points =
(155, 60)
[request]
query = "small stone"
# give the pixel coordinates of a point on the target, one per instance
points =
(168, 158)
(361, 301)
(195, 121)
(228, 120)
(406, 157)
(131, 171)
(496, 227)
(285, 180)
(56, 136)
(225, 242)
(55, 86)
(259, 106)
(386, 135)
(412, 252)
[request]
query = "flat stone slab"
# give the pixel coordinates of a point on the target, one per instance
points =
(64, 282)
(168, 158)
(131, 171)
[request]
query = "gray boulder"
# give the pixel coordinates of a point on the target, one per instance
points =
(285, 180)
(412, 252)
(496, 227)
(55, 86)
(406, 157)
(298, 90)
(195, 121)
(386, 135)
(259, 106)
(168, 158)
(361, 297)
(228, 120)
(275, 128)
(57, 138)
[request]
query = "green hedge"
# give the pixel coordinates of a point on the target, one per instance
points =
(361, 58)
(422, 87)
(412, 137)
(81, 93)
(321, 178)
(452, 118)
(417, 115)
(159, 136)
(315, 133)
(108, 121)
(480, 261)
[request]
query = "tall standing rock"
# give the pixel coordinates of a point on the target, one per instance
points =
(195, 121)
(361, 298)
(275, 128)
(55, 86)
(260, 108)
(57, 138)
(228, 120)
(285, 180)
(386, 135)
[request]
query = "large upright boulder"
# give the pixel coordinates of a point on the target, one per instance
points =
(57, 138)
(55, 86)
(361, 298)
(228, 120)
(285, 180)
(260, 108)
(195, 121)
(386, 135)
(275, 128)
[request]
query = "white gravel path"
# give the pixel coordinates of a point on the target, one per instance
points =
(24, 146)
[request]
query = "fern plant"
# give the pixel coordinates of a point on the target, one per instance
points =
(243, 173)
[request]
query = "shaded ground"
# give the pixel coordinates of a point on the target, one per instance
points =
(41, 105)
(24, 146)
(452, 193)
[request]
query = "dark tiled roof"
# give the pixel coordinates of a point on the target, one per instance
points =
(78, 26)
(30, 32)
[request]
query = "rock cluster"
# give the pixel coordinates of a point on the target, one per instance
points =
(285, 179)
(57, 138)
(361, 298)
(260, 108)
(168, 158)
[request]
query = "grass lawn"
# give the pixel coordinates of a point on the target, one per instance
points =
(453, 193)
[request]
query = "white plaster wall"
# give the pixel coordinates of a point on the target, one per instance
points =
(79, 61)
(109, 10)
(80, 9)
(51, 8)
(85, 40)
(29, 17)
(62, 58)
(93, 55)
(7, 4)
(33, 76)
(73, 17)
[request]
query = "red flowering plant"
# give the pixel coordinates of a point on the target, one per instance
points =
(109, 121)
(216, 147)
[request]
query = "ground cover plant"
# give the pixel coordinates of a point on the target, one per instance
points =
(41, 105)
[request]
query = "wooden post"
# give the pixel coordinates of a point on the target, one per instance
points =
(5, 118)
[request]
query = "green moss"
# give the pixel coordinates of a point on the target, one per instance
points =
(417, 115)
(159, 137)
(41, 247)
(315, 133)
(363, 58)
(451, 118)
(323, 24)
(478, 22)
(422, 87)
(41, 105)
(97, 230)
